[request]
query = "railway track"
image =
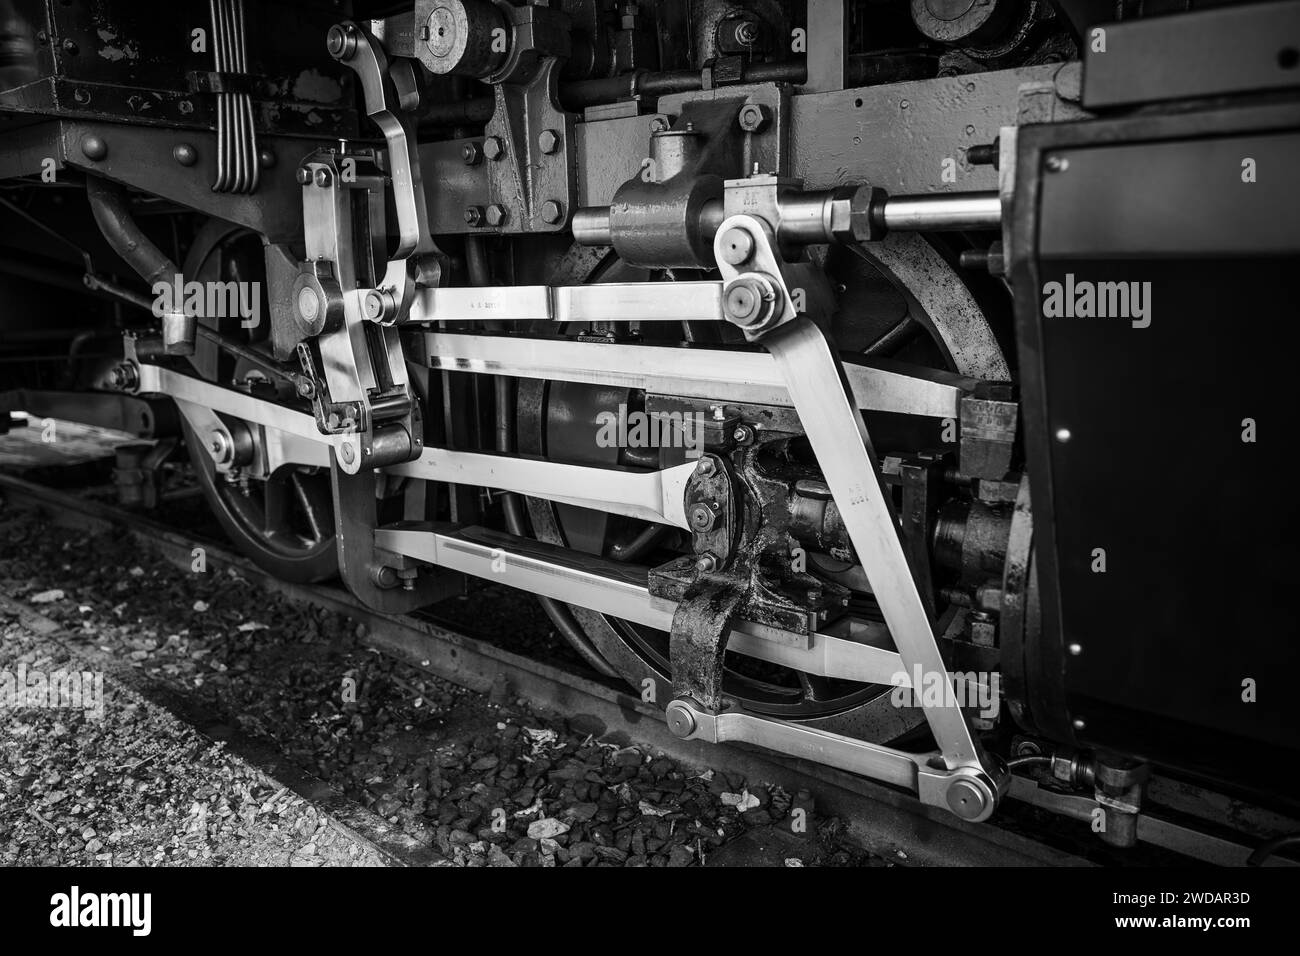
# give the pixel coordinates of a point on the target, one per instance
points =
(1029, 831)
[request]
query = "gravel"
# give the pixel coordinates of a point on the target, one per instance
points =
(481, 780)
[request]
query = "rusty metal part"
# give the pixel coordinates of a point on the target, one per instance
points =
(698, 644)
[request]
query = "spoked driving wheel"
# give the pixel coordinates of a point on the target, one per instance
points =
(879, 315)
(284, 521)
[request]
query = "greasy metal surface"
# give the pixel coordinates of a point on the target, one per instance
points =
(699, 638)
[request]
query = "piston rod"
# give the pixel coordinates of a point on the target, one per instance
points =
(839, 215)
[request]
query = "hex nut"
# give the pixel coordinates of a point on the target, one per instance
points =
(864, 223)
(493, 148)
(552, 212)
(549, 141)
(754, 117)
(496, 215)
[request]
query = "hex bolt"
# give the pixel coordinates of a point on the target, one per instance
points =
(549, 141)
(552, 212)
(123, 376)
(473, 215)
(266, 158)
(743, 434)
(304, 175)
(323, 177)
(754, 117)
(705, 467)
(704, 515)
(737, 245)
(493, 148)
(185, 154)
(658, 124)
(706, 562)
(471, 154)
(496, 215)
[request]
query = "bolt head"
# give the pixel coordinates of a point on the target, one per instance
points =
(341, 42)
(703, 516)
(966, 799)
(377, 305)
(496, 215)
(493, 148)
(705, 467)
(680, 721)
(303, 176)
(549, 141)
(743, 434)
(754, 117)
(185, 154)
(348, 453)
(473, 215)
(552, 212)
(706, 562)
(94, 148)
(737, 245)
(1063, 435)
(322, 177)
(266, 158)
(308, 305)
(471, 154)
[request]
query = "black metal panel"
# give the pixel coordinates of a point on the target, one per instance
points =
(1242, 48)
(1197, 525)
(132, 61)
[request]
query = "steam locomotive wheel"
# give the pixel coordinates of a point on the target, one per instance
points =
(284, 523)
(886, 316)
